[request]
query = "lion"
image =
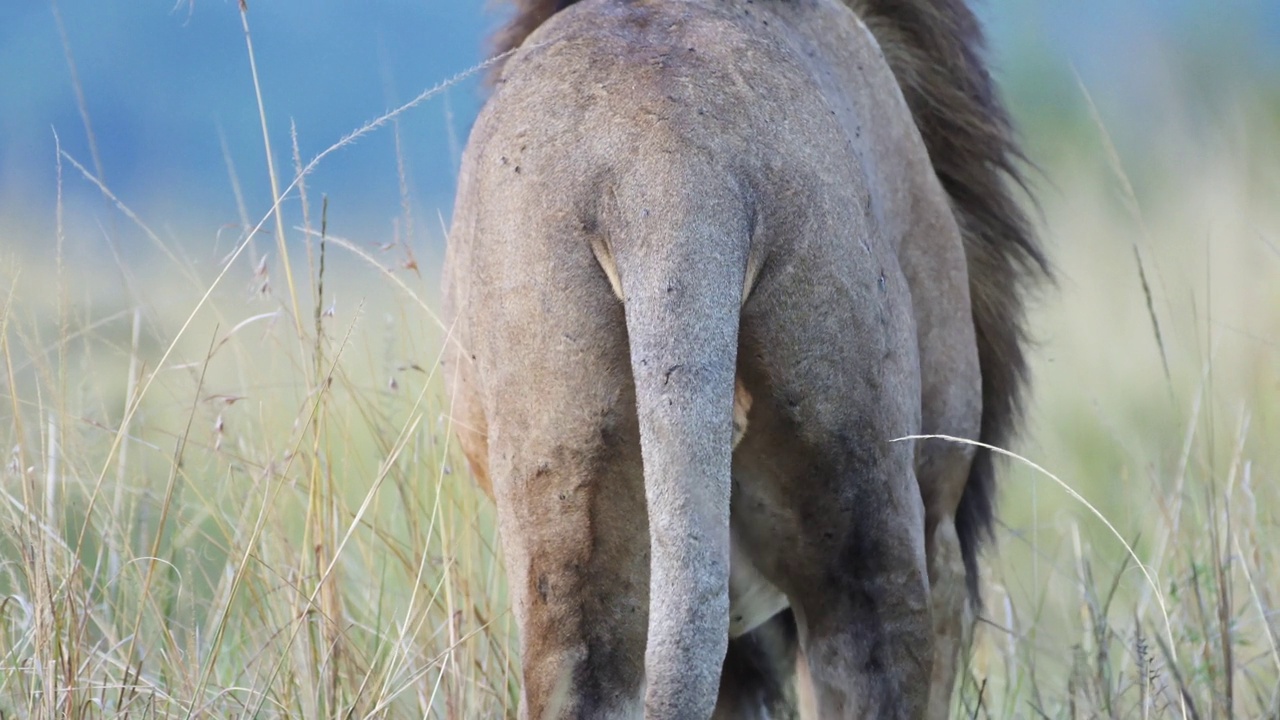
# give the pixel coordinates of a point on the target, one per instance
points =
(713, 265)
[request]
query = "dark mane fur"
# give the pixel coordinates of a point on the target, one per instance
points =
(936, 49)
(528, 16)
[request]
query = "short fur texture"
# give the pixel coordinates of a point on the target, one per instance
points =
(708, 258)
(936, 49)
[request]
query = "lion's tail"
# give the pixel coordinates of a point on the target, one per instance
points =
(681, 258)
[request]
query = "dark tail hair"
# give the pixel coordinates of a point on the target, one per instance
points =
(528, 16)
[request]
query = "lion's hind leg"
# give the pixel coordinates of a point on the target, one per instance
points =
(943, 468)
(836, 524)
(564, 459)
(828, 507)
(951, 405)
(755, 683)
(951, 619)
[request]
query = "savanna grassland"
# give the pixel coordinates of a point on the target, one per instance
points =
(229, 490)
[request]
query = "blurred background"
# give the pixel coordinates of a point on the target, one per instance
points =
(134, 367)
(167, 88)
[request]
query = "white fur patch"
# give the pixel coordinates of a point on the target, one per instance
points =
(752, 598)
(604, 256)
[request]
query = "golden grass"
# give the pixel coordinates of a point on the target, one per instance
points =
(228, 493)
(272, 528)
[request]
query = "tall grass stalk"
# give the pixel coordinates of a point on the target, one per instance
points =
(222, 498)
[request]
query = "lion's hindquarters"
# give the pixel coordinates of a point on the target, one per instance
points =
(547, 349)
(618, 568)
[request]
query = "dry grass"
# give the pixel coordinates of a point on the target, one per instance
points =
(1177, 459)
(231, 493)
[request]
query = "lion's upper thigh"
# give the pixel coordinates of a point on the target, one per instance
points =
(564, 461)
(829, 356)
(831, 364)
(466, 413)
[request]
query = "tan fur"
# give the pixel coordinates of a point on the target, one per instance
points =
(708, 258)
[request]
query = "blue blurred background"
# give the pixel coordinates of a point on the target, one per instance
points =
(169, 95)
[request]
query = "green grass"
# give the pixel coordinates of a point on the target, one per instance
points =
(1183, 465)
(230, 491)
(259, 523)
